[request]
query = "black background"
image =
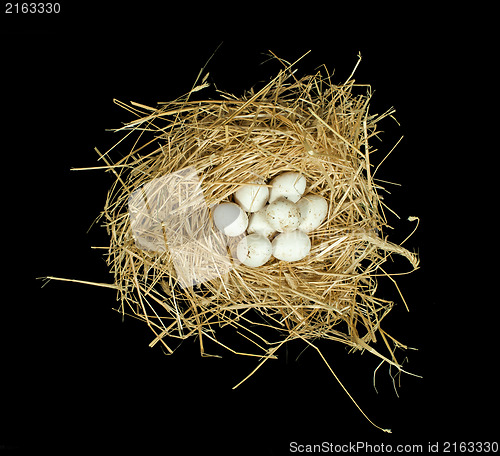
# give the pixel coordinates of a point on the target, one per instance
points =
(74, 377)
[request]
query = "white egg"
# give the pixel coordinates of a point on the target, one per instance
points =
(254, 250)
(252, 197)
(230, 219)
(258, 224)
(231, 243)
(288, 185)
(313, 210)
(283, 215)
(291, 246)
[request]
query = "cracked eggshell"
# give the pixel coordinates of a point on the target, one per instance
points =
(258, 224)
(254, 250)
(291, 246)
(230, 219)
(289, 185)
(252, 197)
(283, 215)
(313, 210)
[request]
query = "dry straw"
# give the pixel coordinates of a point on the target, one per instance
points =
(310, 125)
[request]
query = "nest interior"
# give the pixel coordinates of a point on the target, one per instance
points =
(310, 125)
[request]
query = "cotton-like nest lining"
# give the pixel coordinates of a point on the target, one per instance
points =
(308, 125)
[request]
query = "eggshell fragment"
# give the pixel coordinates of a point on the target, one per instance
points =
(283, 215)
(291, 246)
(230, 219)
(252, 197)
(258, 224)
(289, 185)
(313, 210)
(254, 250)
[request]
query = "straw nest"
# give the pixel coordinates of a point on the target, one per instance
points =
(308, 125)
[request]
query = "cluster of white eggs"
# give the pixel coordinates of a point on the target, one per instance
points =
(280, 212)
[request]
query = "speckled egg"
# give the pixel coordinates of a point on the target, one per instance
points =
(289, 185)
(252, 197)
(313, 210)
(254, 250)
(258, 224)
(291, 246)
(283, 215)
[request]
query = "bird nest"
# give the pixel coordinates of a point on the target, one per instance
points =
(189, 155)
